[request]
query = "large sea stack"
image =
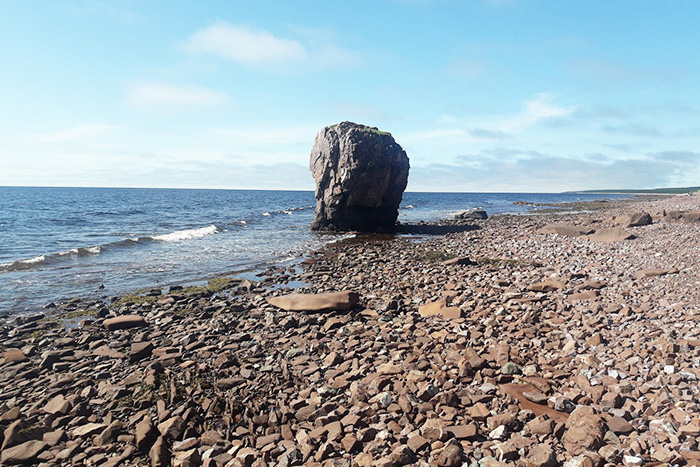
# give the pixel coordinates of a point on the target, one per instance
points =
(360, 175)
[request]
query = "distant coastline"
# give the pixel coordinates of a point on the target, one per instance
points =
(650, 191)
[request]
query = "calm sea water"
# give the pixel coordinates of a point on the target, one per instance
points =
(65, 242)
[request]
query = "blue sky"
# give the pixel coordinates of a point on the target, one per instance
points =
(484, 95)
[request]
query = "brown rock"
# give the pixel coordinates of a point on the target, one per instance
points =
(619, 425)
(434, 429)
(22, 453)
(146, 434)
(106, 351)
(479, 411)
(140, 350)
(109, 434)
(566, 230)
(417, 443)
(172, 428)
(52, 438)
(11, 415)
(439, 308)
(611, 235)
(316, 302)
(190, 458)
(451, 456)
(350, 443)
(124, 322)
(228, 383)
(540, 426)
(159, 453)
(14, 356)
(584, 430)
(638, 219)
(389, 369)
(403, 455)
(541, 455)
(547, 286)
(15, 433)
(88, 429)
(57, 405)
(644, 273)
(469, 431)
(517, 390)
(666, 455)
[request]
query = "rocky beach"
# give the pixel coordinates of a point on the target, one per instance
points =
(557, 339)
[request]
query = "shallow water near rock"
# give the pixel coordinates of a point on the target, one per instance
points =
(57, 243)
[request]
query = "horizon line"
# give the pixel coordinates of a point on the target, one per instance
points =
(274, 189)
(598, 191)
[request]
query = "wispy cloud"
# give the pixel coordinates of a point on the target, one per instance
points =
(79, 133)
(242, 44)
(258, 48)
(633, 129)
(168, 97)
(541, 108)
(483, 133)
(521, 169)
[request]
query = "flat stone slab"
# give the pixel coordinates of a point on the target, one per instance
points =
(14, 356)
(23, 453)
(316, 302)
(440, 308)
(124, 322)
(566, 230)
(611, 235)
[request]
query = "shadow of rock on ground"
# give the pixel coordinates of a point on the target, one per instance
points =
(434, 229)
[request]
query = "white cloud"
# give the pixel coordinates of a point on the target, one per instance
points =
(168, 97)
(537, 109)
(313, 49)
(245, 45)
(78, 133)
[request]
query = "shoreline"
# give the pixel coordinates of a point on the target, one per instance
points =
(542, 345)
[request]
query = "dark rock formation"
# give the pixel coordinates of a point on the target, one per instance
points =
(472, 214)
(360, 175)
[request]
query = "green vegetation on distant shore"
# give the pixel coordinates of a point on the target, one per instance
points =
(651, 191)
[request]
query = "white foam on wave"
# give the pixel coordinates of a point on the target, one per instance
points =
(22, 264)
(340, 238)
(88, 250)
(180, 235)
(36, 259)
(73, 251)
(265, 213)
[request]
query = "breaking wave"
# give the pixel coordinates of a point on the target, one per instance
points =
(180, 235)
(46, 259)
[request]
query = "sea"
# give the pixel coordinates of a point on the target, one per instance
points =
(59, 243)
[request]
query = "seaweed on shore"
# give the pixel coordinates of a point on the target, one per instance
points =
(433, 256)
